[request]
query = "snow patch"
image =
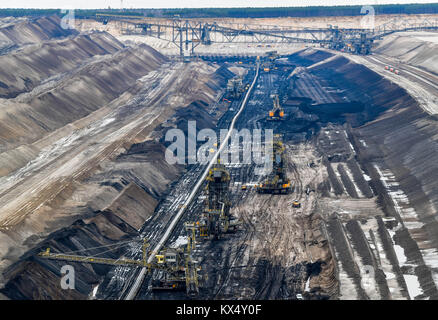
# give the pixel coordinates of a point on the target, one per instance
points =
(182, 240)
(413, 285)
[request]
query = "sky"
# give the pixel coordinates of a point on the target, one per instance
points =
(116, 4)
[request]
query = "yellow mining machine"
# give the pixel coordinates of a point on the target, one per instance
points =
(177, 269)
(277, 181)
(296, 204)
(175, 266)
(277, 112)
(269, 61)
(272, 55)
(216, 218)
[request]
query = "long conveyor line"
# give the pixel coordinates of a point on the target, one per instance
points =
(139, 280)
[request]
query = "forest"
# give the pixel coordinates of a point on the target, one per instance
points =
(270, 12)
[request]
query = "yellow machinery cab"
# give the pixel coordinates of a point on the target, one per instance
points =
(160, 258)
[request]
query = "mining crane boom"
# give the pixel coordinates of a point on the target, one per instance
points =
(277, 182)
(176, 265)
(98, 260)
(84, 259)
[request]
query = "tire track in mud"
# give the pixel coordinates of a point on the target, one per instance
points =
(234, 253)
(269, 265)
(298, 183)
(227, 271)
(279, 233)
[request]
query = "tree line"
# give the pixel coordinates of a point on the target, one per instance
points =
(271, 12)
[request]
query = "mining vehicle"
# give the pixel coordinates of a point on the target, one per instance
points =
(272, 55)
(277, 181)
(175, 268)
(216, 218)
(172, 275)
(181, 270)
(277, 112)
(235, 88)
(392, 69)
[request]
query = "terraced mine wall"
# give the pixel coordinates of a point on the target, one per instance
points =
(395, 140)
(111, 70)
(49, 58)
(89, 97)
(140, 177)
(418, 50)
(136, 180)
(14, 34)
(109, 201)
(397, 131)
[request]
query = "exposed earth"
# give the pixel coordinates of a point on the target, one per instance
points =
(83, 119)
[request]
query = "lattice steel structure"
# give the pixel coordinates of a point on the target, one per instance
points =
(187, 34)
